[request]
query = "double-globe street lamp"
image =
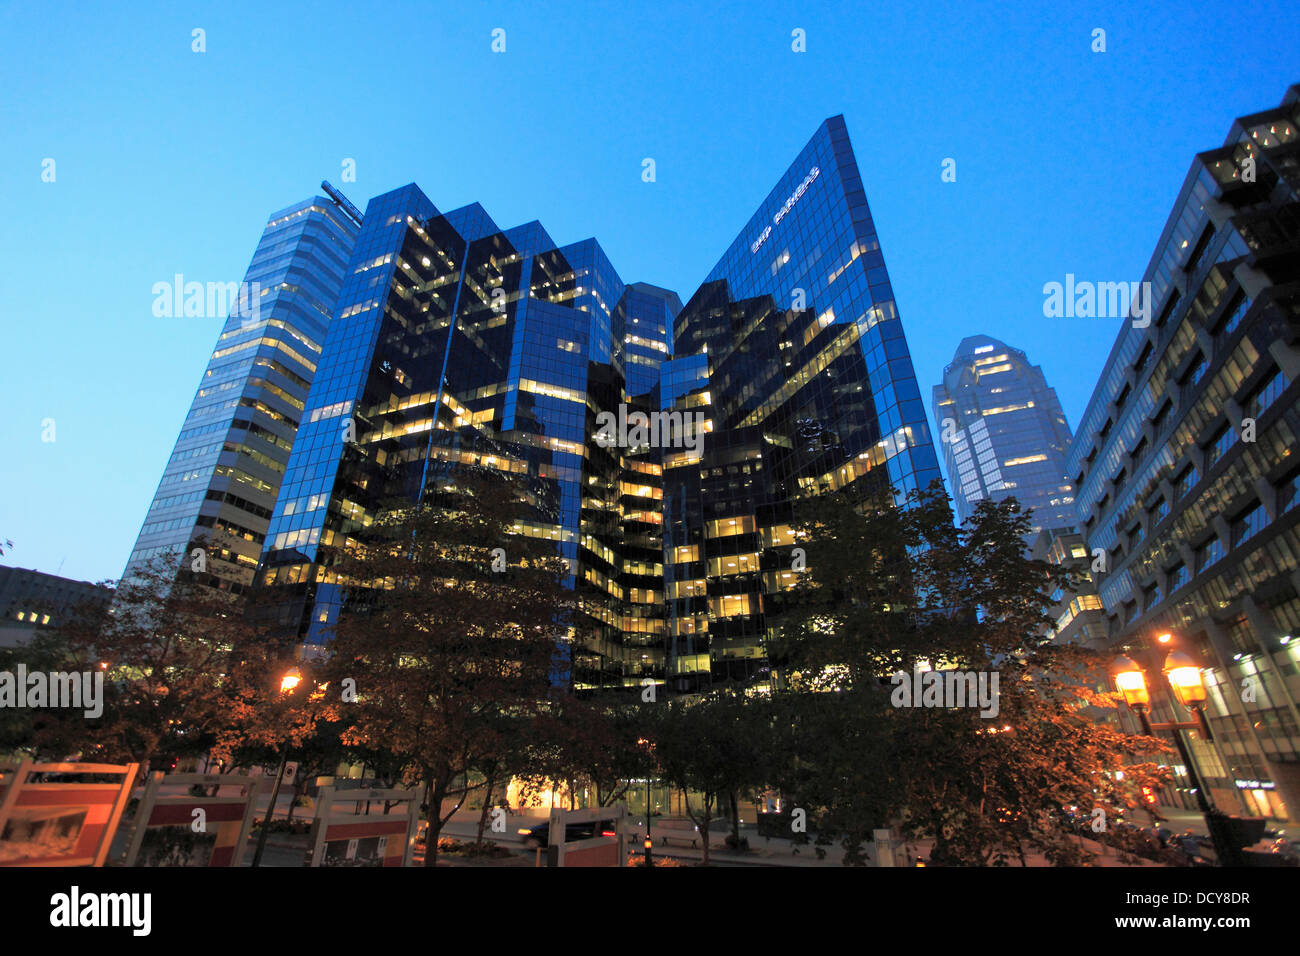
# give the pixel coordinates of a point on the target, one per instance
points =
(1182, 674)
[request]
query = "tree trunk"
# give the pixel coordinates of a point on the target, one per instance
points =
(490, 786)
(297, 795)
(702, 822)
(434, 792)
(735, 820)
(704, 830)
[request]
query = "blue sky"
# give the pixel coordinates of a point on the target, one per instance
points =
(168, 161)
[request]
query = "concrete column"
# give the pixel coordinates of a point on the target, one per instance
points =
(1267, 497)
(1252, 281)
(1221, 528)
(1287, 358)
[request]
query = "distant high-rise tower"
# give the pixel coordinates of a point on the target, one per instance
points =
(1003, 433)
(647, 333)
(225, 470)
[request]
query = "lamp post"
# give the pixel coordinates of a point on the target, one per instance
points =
(288, 683)
(1183, 675)
(649, 841)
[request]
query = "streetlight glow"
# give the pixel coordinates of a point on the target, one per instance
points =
(1130, 682)
(1185, 678)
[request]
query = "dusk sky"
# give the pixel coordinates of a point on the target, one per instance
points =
(170, 161)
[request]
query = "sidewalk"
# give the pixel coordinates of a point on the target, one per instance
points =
(764, 851)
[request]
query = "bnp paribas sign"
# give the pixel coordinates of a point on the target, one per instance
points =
(786, 207)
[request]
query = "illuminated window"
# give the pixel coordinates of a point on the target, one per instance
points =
(778, 536)
(733, 564)
(1023, 461)
(725, 527)
(686, 552)
(733, 605)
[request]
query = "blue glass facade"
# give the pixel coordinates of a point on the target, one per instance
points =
(794, 348)
(458, 344)
(225, 470)
(462, 345)
(646, 342)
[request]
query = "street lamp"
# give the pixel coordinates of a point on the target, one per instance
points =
(1183, 676)
(1132, 683)
(289, 682)
(649, 841)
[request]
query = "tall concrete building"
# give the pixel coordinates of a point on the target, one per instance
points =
(221, 481)
(1186, 464)
(1003, 433)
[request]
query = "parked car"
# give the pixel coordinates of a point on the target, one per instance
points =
(540, 835)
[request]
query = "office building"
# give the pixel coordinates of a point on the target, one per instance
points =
(794, 347)
(1076, 612)
(1003, 434)
(33, 600)
(459, 343)
(1186, 468)
(214, 500)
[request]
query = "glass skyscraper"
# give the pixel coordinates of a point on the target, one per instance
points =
(1003, 434)
(795, 347)
(225, 469)
(647, 337)
(460, 344)
(1185, 462)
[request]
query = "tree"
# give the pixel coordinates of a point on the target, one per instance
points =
(891, 590)
(265, 722)
(713, 746)
(596, 743)
(46, 733)
(441, 646)
(183, 666)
